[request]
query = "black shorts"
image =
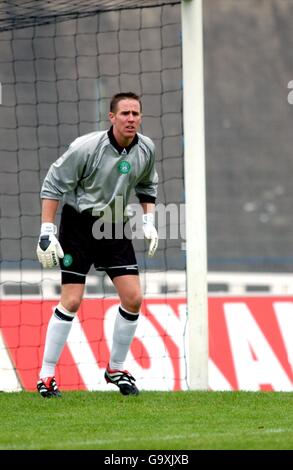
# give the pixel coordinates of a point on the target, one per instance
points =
(81, 250)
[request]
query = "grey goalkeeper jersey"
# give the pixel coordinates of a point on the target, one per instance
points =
(94, 171)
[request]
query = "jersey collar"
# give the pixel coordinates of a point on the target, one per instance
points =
(121, 150)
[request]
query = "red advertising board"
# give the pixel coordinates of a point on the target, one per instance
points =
(250, 343)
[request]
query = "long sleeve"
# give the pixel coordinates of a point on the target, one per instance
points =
(65, 173)
(147, 188)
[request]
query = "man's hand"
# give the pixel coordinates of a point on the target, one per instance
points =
(49, 249)
(150, 232)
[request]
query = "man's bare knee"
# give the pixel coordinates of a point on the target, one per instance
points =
(71, 297)
(132, 303)
(71, 303)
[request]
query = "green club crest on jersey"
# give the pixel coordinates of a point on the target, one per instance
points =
(67, 260)
(124, 167)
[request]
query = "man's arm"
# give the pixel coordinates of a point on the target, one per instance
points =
(62, 177)
(146, 191)
(146, 188)
(49, 209)
(148, 207)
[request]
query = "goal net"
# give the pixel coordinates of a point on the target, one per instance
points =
(60, 63)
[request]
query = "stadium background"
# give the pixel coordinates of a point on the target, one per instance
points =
(58, 73)
(56, 83)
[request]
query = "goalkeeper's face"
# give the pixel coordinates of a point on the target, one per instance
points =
(126, 120)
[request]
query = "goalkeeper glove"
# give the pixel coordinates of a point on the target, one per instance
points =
(49, 249)
(150, 232)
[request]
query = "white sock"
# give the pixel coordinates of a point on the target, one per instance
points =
(58, 330)
(124, 330)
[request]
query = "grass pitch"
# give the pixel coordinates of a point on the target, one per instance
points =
(153, 420)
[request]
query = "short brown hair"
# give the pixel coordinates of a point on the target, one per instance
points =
(122, 96)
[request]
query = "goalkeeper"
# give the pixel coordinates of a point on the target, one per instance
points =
(96, 169)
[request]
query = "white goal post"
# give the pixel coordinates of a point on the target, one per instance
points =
(195, 192)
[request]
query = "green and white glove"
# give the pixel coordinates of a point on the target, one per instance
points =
(49, 249)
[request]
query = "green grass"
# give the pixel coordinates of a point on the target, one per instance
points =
(153, 420)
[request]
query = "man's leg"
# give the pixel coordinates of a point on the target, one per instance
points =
(58, 330)
(129, 291)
